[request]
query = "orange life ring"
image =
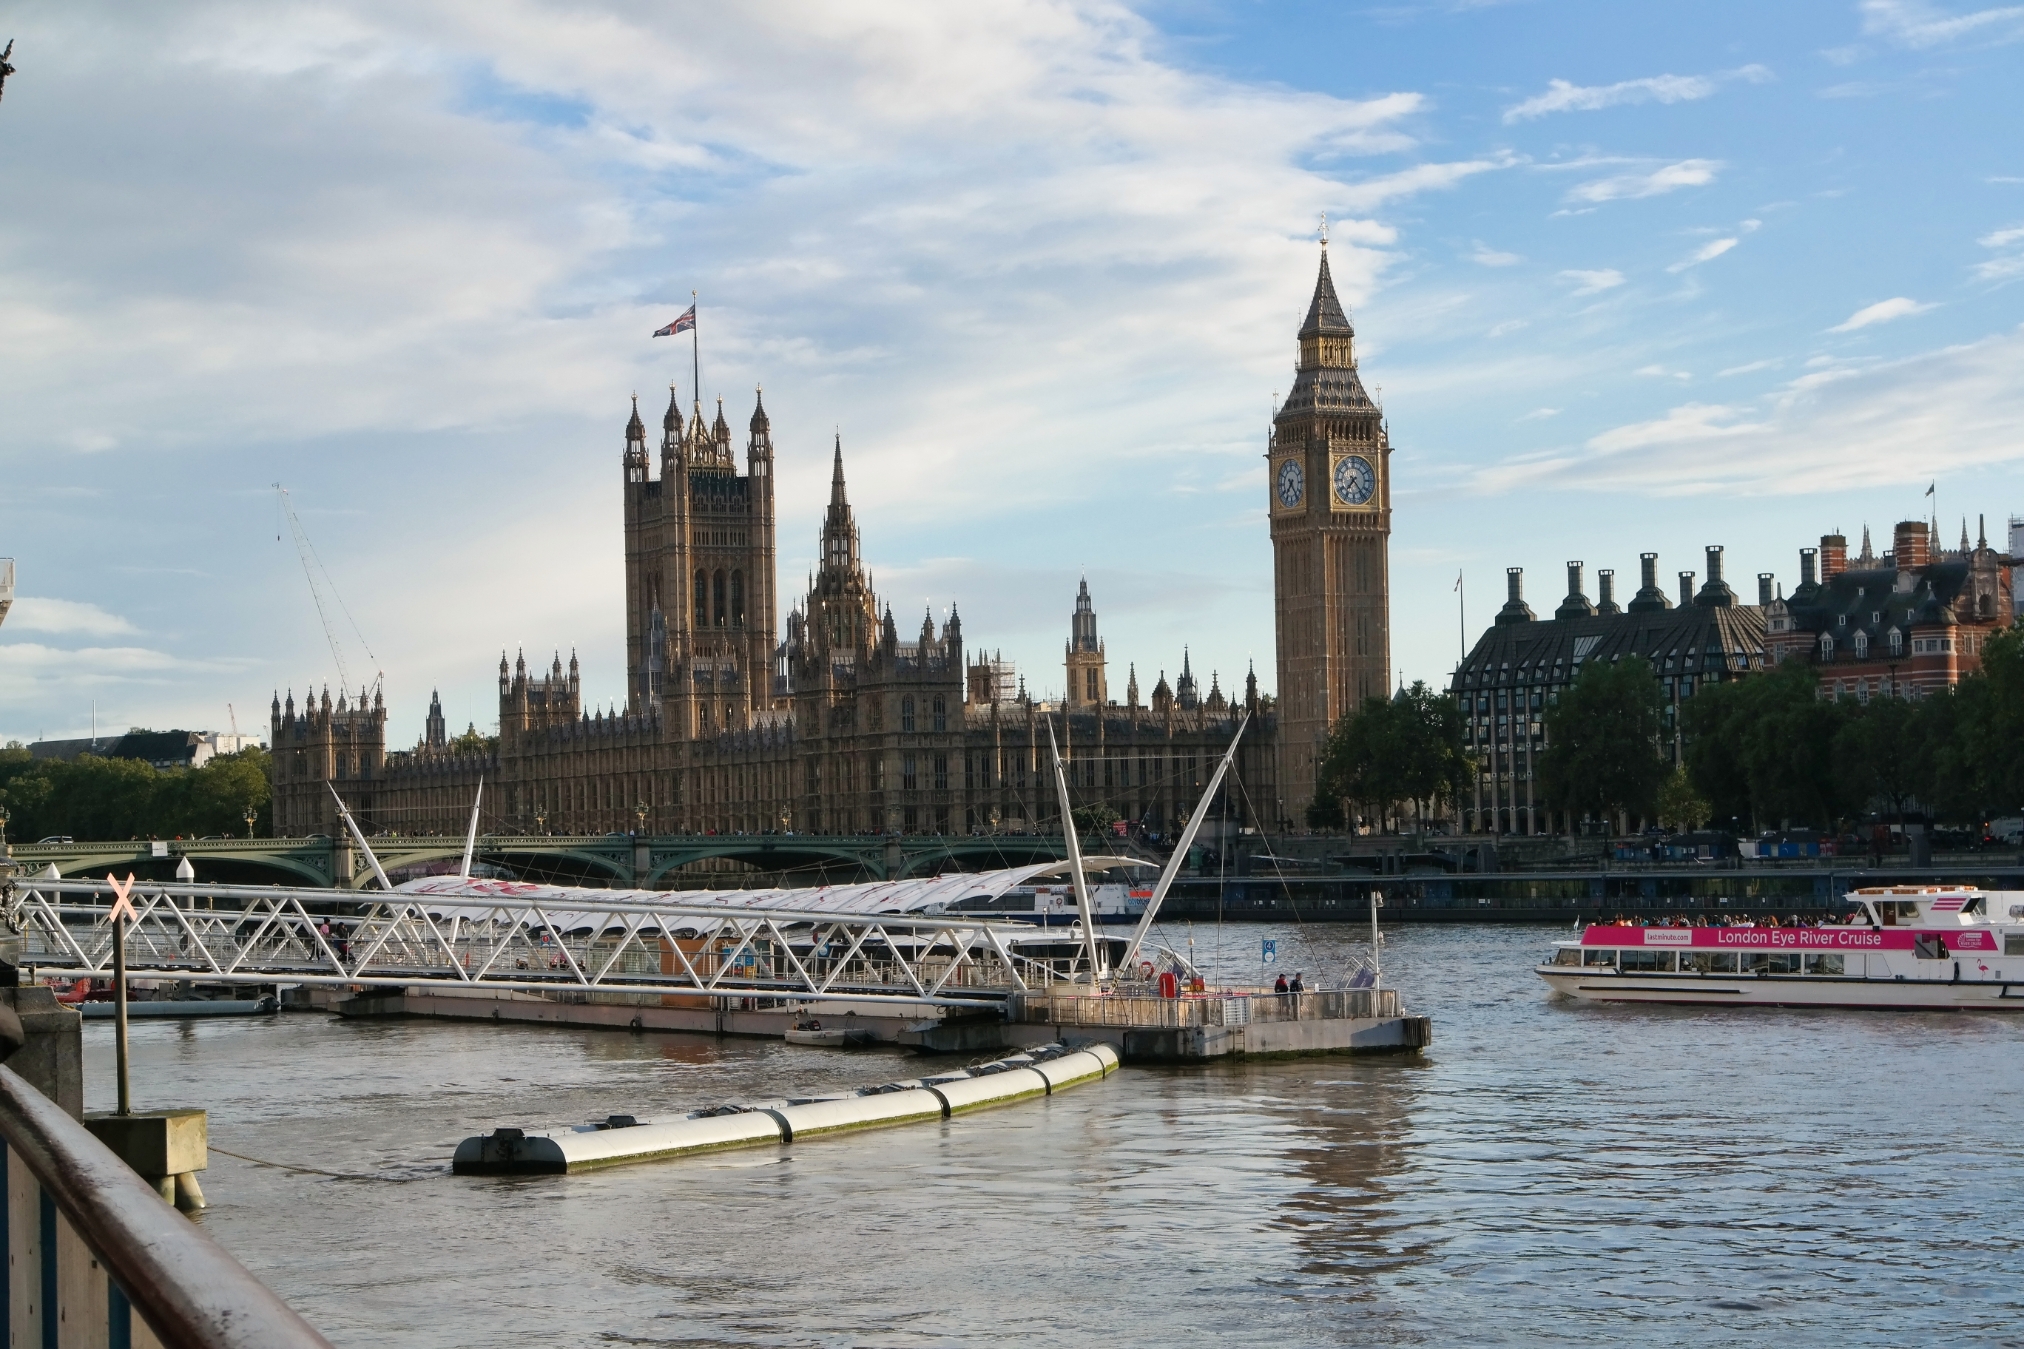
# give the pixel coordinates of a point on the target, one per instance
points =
(1145, 969)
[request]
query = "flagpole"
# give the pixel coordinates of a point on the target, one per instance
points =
(695, 351)
(1462, 604)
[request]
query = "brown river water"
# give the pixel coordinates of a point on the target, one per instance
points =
(1546, 1173)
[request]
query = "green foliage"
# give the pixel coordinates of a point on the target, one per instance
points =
(471, 742)
(1602, 739)
(1768, 751)
(96, 798)
(1393, 750)
(1681, 809)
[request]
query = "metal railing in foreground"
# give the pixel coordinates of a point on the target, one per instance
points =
(94, 1257)
(1059, 1006)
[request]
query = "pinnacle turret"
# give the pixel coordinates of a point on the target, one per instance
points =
(1325, 316)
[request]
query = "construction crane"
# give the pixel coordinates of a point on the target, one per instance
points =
(311, 565)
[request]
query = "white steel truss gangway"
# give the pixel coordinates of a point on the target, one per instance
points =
(270, 935)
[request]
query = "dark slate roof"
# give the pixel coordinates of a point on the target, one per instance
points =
(1324, 315)
(1696, 640)
(1859, 593)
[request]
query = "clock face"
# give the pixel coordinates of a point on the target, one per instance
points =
(1292, 483)
(1354, 480)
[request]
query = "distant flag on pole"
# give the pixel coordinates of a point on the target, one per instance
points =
(1458, 581)
(681, 325)
(1930, 486)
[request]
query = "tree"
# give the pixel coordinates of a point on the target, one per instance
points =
(1391, 750)
(91, 797)
(1681, 809)
(1602, 734)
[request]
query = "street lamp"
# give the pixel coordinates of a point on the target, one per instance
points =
(251, 816)
(540, 822)
(3, 832)
(640, 810)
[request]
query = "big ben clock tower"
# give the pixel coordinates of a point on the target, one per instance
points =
(1330, 486)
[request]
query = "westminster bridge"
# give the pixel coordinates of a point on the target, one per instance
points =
(682, 861)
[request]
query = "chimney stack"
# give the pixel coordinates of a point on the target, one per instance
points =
(1514, 610)
(1764, 595)
(1833, 556)
(1649, 598)
(1716, 593)
(1806, 573)
(1605, 586)
(1686, 588)
(1911, 544)
(1576, 604)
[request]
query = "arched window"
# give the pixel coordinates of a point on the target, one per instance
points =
(702, 599)
(1827, 646)
(717, 596)
(1897, 642)
(907, 714)
(941, 715)
(737, 599)
(1861, 644)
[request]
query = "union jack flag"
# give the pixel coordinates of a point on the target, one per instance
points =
(680, 325)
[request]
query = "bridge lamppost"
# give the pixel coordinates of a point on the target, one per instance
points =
(251, 816)
(640, 810)
(540, 822)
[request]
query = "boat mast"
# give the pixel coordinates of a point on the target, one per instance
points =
(1082, 905)
(1180, 853)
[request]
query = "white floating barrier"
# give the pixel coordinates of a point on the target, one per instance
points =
(858, 1112)
(1015, 1078)
(959, 1094)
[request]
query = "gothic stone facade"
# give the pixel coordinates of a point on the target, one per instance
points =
(1329, 462)
(841, 727)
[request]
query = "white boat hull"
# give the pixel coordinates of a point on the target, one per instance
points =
(1904, 995)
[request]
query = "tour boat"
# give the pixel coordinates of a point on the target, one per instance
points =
(1923, 948)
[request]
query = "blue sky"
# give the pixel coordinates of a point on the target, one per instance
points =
(1630, 277)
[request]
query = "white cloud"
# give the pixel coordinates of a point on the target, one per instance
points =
(1705, 253)
(2002, 238)
(1562, 96)
(1593, 282)
(1964, 405)
(1540, 414)
(1911, 23)
(1747, 369)
(1883, 311)
(35, 613)
(1490, 257)
(1630, 186)
(1660, 372)
(1508, 326)
(2001, 269)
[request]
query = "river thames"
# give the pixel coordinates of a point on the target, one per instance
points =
(1546, 1174)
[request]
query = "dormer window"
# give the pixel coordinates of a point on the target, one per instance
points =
(1841, 620)
(1827, 646)
(1897, 642)
(1861, 644)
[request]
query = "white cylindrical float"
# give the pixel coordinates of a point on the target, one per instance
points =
(959, 1094)
(814, 1118)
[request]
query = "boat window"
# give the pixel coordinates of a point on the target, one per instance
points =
(1973, 906)
(1592, 957)
(1929, 946)
(1897, 912)
(1571, 955)
(2013, 943)
(1715, 962)
(1770, 962)
(1826, 964)
(1646, 962)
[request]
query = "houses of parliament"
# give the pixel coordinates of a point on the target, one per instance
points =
(841, 723)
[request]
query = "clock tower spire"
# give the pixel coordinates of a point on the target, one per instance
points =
(1329, 461)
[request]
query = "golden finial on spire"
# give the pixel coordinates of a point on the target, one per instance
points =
(1324, 229)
